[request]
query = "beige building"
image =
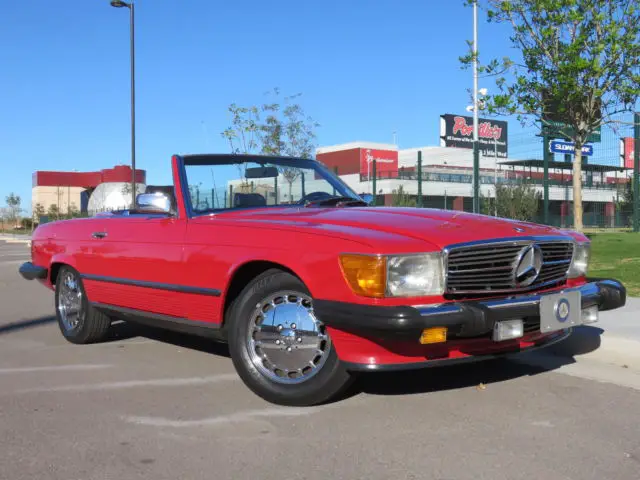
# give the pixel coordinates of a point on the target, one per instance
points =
(69, 192)
(65, 199)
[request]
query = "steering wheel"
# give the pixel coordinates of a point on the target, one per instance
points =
(314, 196)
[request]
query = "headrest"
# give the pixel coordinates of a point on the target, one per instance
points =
(248, 200)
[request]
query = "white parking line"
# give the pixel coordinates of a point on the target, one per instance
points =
(52, 368)
(158, 382)
(246, 416)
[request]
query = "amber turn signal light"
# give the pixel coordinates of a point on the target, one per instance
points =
(365, 274)
(433, 335)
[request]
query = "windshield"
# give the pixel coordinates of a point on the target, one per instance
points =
(230, 182)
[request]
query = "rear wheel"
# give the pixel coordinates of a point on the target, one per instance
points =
(79, 322)
(280, 349)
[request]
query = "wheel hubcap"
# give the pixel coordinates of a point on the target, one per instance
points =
(70, 302)
(286, 342)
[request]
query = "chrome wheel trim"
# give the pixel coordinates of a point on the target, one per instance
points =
(69, 303)
(286, 342)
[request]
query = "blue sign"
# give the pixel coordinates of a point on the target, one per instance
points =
(556, 146)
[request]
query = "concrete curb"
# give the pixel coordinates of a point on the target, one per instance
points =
(18, 241)
(15, 240)
(595, 344)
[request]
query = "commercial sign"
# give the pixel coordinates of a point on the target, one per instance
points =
(386, 161)
(562, 130)
(626, 152)
(457, 131)
(556, 146)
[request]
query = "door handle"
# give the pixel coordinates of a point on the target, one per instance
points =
(99, 234)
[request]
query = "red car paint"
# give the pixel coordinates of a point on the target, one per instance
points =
(207, 251)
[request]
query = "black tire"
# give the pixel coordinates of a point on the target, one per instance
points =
(92, 326)
(327, 383)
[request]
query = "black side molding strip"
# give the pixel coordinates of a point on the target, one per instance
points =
(156, 285)
(168, 322)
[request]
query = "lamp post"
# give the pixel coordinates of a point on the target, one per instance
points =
(121, 4)
(476, 153)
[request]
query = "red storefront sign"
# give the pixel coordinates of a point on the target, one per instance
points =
(627, 152)
(386, 161)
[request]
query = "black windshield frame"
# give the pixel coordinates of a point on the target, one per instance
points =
(238, 159)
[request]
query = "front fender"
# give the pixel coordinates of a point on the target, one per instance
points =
(55, 263)
(319, 271)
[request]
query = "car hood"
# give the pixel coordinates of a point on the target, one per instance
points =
(438, 227)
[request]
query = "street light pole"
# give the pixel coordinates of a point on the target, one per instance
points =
(476, 153)
(130, 6)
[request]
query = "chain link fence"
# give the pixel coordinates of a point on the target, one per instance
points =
(444, 179)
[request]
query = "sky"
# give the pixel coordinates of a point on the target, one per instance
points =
(364, 68)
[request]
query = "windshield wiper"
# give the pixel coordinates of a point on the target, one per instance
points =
(336, 201)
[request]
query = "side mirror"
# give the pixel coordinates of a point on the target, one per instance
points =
(368, 198)
(153, 203)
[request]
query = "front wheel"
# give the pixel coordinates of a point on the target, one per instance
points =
(280, 349)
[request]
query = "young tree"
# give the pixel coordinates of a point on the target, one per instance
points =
(288, 131)
(244, 133)
(4, 216)
(517, 202)
(279, 128)
(13, 202)
(73, 211)
(53, 212)
(579, 67)
(38, 211)
(399, 198)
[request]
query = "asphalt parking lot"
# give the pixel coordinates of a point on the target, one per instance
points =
(166, 406)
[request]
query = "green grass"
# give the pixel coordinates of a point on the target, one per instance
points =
(617, 255)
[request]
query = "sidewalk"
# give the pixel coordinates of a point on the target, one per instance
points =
(614, 339)
(624, 322)
(620, 341)
(15, 238)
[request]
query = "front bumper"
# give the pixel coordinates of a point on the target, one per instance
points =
(465, 320)
(30, 271)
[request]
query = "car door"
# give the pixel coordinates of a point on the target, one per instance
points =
(139, 265)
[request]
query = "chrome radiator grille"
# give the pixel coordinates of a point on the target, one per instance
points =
(507, 266)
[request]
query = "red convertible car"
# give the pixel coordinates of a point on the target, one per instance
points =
(307, 283)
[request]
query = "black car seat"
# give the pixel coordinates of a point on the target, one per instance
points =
(248, 200)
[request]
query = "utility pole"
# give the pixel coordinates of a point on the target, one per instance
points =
(636, 172)
(476, 153)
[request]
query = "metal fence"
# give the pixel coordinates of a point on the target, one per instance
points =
(607, 192)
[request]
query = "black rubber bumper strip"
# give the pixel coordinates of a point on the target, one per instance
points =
(30, 271)
(463, 319)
